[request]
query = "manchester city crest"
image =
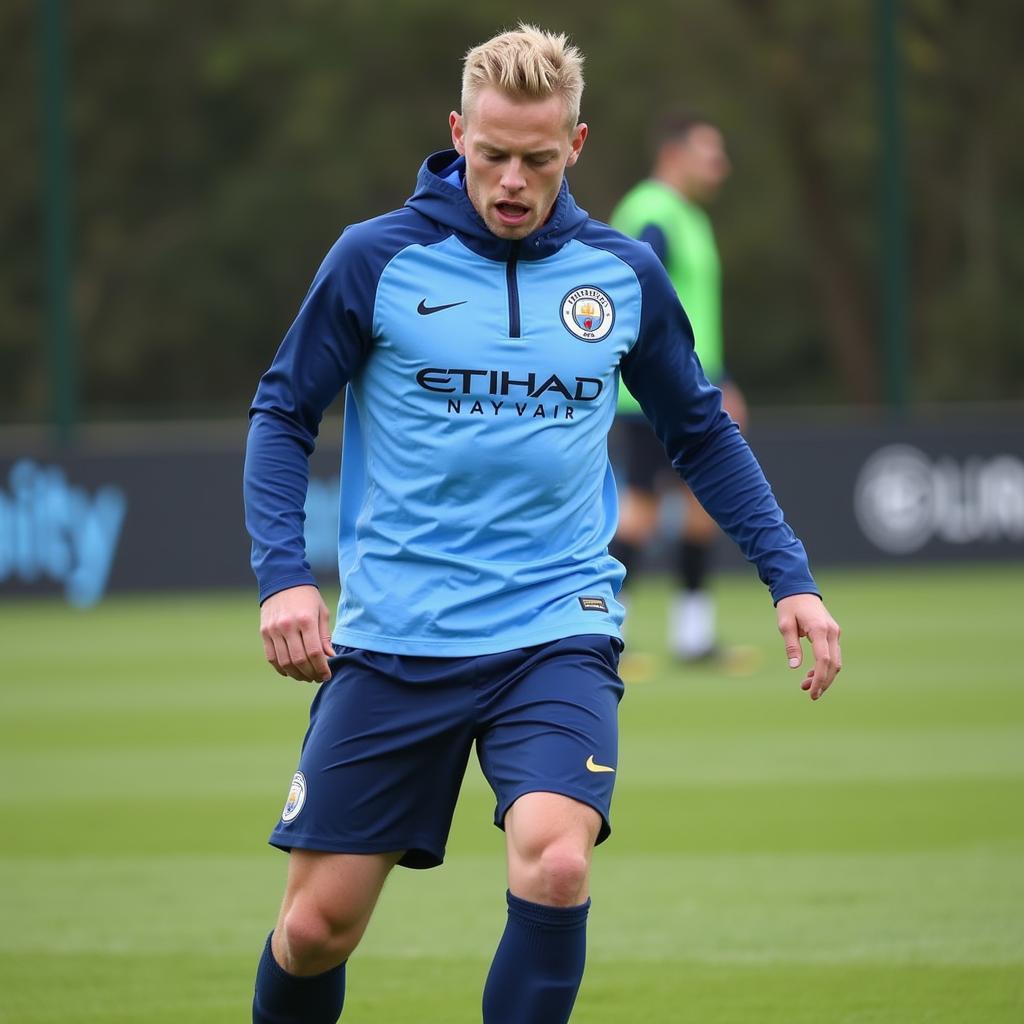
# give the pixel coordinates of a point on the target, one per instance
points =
(588, 313)
(296, 798)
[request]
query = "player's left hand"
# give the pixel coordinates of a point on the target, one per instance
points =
(806, 615)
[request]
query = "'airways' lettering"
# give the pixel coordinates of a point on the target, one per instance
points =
(503, 383)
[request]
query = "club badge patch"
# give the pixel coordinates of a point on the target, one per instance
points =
(296, 798)
(588, 314)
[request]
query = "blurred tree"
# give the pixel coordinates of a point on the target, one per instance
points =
(219, 149)
(965, 109)
(816, 65)
(23, 384)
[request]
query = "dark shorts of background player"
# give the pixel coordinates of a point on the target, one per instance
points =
(638, 456)
(390, 736)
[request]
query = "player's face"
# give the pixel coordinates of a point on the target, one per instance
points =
(516, 154)
(704, 161)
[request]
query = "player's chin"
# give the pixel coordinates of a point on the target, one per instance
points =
(513, 232)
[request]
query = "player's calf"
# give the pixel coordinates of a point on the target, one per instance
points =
(281, 997)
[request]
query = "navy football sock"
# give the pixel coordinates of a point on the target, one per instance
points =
(693, 564)
(537, 970)
(283, 998)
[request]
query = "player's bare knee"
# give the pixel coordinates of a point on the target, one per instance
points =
(312, 941)
(561, 874)
(305, 932)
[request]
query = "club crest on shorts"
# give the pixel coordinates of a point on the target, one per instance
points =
(296, 798)
(588, 313)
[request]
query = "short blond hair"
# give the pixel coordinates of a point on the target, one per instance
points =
(527, 63)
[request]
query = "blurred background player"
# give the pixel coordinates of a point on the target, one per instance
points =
(666, 211)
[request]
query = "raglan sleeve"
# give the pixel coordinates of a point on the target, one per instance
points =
(321, 352)
(704, 444)
(654, 236)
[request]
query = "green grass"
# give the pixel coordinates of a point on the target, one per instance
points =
(857, 861)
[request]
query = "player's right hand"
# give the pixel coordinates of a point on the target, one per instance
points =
(296, 629)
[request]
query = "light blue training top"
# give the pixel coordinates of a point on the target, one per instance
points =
(477, 500)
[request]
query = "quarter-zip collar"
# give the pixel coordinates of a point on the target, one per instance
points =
(440, 196)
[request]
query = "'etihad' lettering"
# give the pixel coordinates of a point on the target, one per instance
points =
(503, 383)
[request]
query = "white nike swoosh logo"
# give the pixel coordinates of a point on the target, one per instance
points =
(593, 766)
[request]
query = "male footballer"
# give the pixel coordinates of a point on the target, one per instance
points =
(481, 331)
(666, 211)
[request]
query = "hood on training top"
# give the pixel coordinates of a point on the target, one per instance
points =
(441, 196)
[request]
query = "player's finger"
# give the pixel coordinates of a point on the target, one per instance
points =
(791, 638)
(837, 653)
(270, 649)
(298, 662)
(283, 660)
(822, 664)
(312, 643)
(835, 658)
(270, 653)
(325, 631)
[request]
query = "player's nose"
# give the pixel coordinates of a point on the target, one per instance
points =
(512, 179)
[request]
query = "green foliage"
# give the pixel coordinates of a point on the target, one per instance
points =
(855, 860)
(219, 149)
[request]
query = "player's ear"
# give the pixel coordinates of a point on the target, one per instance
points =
(579, 136)
(455, 122)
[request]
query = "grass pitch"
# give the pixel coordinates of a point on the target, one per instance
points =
(856, 861)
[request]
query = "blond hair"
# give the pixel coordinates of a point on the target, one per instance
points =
(527, 63)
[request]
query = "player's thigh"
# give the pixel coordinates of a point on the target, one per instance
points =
(696, 525)
(383, 759)
(342, 888)
(539, 822)
(552, 727)
(734, 403)
(638, 515)
(549, 840)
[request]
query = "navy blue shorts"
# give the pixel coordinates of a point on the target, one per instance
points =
(390, 735)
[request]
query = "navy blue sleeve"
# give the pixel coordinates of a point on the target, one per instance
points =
(655, 238)
(663, 373)
(322, 351)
